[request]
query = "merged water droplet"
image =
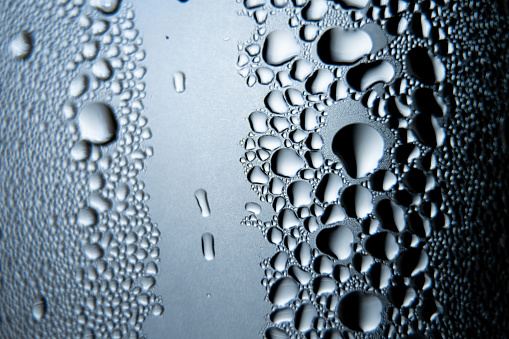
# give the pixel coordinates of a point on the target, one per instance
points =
(360, 311)
(338, 46)
(280, 47)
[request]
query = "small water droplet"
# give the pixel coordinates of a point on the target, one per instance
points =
(207, 246)
(203, 203)
(179, 82)
(21, 46)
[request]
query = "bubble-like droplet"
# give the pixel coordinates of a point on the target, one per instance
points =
(280, 47)
(21, 46)
(207, 246)
(78, 85)
(81, 150)
(203, 202)
(39, 308)
(87, 217)
(283, 291)
(286, 163)
(97, 123)
(105, 6)
(359, 147)
(93, 251)
(360, 311)
(179, 82)
(102, 69)
(337, 46)
(335, 241)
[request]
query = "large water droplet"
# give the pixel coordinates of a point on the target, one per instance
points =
(328, 188)
(207, 246)
(382, 246)
(279, 48)
(360, 311)
(342, 47)
(359, 147)
(283, 291)
(276, 103)
(286, 163)
(315, 10)
(391, 216)
(78, 85)
(97, 123)
(335, 241)
(203, 203)
(299, 193)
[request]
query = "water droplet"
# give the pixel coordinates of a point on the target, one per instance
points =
(207, 246)
(97, 123)
(335, 241)
(203, 203)
(81, 150)
(93, 251)
(343, 47)
(391, 216)
(105, 6)
(275, 333)
(276, 103)
(21, 46)
(359, 147)
(365, 75)
(78, 85)
(382, 246)
(39, 308)
(319, 82)
(304, 317)
(282, 315)
(287, 219)
(360, 311)
(102, 69)
(356, 200)
(412, 262)
(280, 47)
(257, 176)
(358, 4)
(425, 67)
(179, 82)
(299, 193)
(253, 207)
(315, 10)
(87, 217)
(283, 291)
(286, 163)
(328, 188)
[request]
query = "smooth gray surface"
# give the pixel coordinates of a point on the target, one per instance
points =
(196, 145)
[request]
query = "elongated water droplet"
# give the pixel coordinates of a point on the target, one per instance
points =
(207, 246)
(203, 203)
(179, 82)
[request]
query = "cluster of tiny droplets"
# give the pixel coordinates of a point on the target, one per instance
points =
(79, 253)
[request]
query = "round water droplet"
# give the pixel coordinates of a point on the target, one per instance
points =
(102, 69)
(81, 150)
(97, 123)
(276, 103)
(78, 85)
(299, 193)
(93, 251)
(87, 217)
(356, 200)
(304, 317)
